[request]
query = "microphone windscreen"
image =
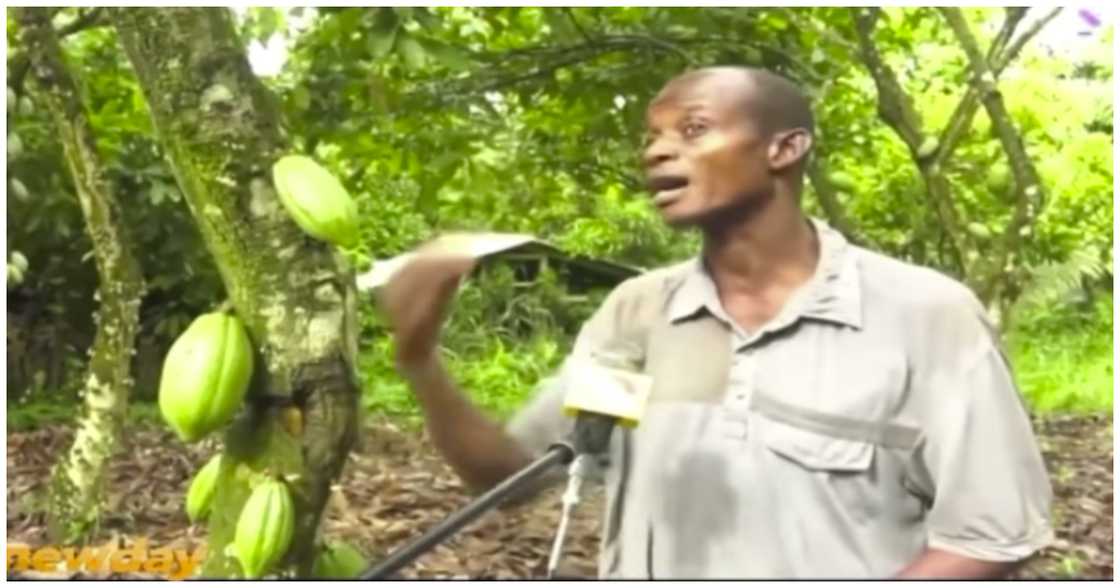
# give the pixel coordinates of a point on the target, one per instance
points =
(607, 390)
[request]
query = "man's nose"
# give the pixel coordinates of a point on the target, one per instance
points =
(659, 151)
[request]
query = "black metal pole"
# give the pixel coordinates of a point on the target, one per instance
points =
(558, 454)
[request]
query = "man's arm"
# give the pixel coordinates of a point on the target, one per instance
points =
(476, 447)
(979, 464)
(936, 563)
(415, 301)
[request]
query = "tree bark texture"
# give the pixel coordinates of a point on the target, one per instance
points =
(77, 480)
(1029, 190)
(221, 131)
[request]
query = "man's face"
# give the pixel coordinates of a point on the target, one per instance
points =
(705, 158)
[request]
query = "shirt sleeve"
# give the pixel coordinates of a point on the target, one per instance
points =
(991, 492)
(542, 422)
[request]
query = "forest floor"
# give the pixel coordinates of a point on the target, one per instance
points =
(395, 487)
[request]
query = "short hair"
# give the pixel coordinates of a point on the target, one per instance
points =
(776, 103)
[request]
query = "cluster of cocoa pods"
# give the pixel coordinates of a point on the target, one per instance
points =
(206, 377)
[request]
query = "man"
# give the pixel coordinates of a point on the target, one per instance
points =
(819, 410)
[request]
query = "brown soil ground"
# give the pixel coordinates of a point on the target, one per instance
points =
(395, 487)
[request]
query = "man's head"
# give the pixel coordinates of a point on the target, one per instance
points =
(722, 141)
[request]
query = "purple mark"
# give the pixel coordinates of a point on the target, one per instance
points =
(1089, 17)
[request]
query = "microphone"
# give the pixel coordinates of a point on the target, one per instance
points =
(604, 390)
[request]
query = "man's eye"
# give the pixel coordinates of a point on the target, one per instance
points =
(694, 129)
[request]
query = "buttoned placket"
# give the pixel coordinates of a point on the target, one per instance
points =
(742, 379)
(740, 388)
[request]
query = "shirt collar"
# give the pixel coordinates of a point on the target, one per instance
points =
(831, 294)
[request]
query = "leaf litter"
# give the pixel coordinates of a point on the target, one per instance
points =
(395, 487)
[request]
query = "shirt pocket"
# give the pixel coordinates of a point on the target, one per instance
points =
(834, 465)
(817, 452)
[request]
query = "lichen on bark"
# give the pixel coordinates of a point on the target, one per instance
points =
(221, 131)
(77, 481)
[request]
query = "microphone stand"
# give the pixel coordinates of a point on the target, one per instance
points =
(558, 454)
(590, 436)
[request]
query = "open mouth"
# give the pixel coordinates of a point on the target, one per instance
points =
(666, 183)
(667, 189)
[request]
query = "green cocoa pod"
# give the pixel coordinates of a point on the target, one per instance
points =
(201, 492)
(842, 181)
(339, 561)
(264, 528)
(979, 230)
(205, 375)
(15, 145)
(15, 275)
(316, 200)
(19, 190)
(928, 147)
(18, 260)
(999, 178)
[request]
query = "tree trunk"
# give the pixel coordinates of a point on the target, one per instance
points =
(987, 267)
(78, 478)
(1029, 189)
(220, 129)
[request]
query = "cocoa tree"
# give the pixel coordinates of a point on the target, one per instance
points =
(221, 131)
(986, 263)
(74, 500)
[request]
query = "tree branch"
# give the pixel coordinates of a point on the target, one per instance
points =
(894, 104)
(1010, 22)
(897, 110)
(1012, 52)
(961, 119)
(575, 23)
(1029, 190)
(543, 61)
(19, 64)
(94, 17)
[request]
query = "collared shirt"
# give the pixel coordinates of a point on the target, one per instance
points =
(873, 417)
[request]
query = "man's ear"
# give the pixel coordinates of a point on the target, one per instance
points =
(789, 147)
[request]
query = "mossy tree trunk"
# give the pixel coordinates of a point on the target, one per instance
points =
(220, 129)
(78, 478)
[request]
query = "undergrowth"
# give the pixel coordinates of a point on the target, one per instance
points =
(500, 345)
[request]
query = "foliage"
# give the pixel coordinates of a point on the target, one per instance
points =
(503, 337)
(1063, 357)
(529, 119)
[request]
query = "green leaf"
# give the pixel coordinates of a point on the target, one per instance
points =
(559, 24)
(301, 98)
(449, 56)
(842, 181)
(412, 51)
(271, 22)
(384, 34)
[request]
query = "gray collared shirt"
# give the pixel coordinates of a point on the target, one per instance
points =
(874, 417)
